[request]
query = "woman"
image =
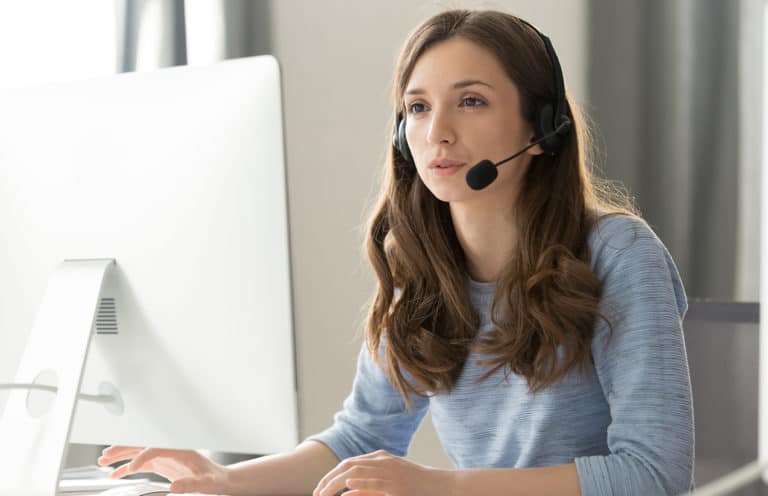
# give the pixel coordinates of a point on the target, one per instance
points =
(534, 315)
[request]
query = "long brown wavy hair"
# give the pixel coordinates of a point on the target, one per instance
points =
(547, 297)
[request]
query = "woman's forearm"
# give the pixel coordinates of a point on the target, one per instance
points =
(288, 474)
(560, 480)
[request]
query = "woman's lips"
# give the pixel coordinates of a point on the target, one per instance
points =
(446, 171)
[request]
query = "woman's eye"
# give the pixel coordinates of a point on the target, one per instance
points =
(415, 108)
(471, 101)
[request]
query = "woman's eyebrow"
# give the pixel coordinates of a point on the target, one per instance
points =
(457, 86)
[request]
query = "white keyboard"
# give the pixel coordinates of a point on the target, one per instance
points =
(141, 489)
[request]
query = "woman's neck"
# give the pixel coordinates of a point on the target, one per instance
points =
(488, 237)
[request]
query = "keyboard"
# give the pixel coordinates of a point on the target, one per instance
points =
(140, 489)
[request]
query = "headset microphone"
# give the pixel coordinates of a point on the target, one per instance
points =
(484, 173)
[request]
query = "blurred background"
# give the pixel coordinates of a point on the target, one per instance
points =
(673, 88)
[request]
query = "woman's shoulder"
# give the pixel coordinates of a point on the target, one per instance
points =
(627, 247)
(615, 234)
(618, 239)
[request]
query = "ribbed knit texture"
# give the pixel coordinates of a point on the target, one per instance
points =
(629, 429)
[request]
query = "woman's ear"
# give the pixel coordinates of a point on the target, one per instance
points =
(534, 150)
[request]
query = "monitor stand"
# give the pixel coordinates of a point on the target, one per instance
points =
(33, 438)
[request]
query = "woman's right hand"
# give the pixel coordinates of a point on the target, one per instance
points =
(188, 471)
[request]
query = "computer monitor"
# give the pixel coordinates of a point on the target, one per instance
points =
(178, 175)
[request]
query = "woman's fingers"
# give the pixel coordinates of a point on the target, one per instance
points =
(110, 450)
(117, 454)
(120, 472)
(202, 484)
(377, 486)
(168, 463)
(337, 485)
(347, 464)
(138, 456)
(172, 464)
(148, 455)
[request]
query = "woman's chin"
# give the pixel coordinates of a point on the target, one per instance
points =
(451, 188)
(452, 194)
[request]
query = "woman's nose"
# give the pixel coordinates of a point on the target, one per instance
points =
(440, 129)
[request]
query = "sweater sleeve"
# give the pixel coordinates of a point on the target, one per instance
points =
(642, 367)
(374, 416)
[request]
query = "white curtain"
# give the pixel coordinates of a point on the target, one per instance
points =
(162, 33)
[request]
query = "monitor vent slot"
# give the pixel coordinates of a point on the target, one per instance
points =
(106, 317)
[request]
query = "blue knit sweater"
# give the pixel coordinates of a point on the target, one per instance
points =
(629, 430)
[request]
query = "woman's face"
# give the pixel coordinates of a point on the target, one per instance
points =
(462, 108)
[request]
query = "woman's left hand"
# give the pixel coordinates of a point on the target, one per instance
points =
(383, 474)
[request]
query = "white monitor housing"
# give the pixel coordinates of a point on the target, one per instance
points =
(165, 193)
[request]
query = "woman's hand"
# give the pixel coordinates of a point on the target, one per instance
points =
(382, 474)
(188, 471)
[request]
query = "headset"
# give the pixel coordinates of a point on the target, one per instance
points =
(551, 124)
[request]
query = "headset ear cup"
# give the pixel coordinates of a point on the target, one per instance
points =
(401, 143)
(545, 125)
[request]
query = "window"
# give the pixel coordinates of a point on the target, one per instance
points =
(47, 41)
